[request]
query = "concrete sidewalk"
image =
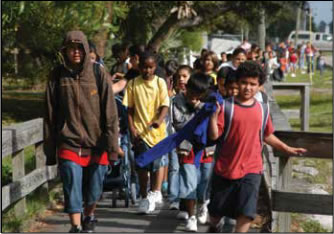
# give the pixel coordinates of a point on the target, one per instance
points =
(123, 219)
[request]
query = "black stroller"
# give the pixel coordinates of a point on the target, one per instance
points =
(118, 178)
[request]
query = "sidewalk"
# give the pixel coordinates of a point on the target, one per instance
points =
(123, 219)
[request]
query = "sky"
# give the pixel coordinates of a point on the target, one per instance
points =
(322, 10)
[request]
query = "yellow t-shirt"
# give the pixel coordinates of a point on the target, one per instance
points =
(146, 97)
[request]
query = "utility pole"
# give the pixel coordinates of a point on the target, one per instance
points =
(262, 29)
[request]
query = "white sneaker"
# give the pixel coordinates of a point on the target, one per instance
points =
(293, 75)
(191, 224)
(202, 214)
(174, 206)
(158, 197)
(182, 215)
(144, 206)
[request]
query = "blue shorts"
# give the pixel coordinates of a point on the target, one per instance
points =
(233, 198)
(141, 147)
(188, 181)
(81, 184)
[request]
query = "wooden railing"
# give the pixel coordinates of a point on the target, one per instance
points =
(304, 89)
(14, 139)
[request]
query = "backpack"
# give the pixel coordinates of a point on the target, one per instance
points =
(228, 105)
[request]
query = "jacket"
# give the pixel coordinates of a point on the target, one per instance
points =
(81, 113)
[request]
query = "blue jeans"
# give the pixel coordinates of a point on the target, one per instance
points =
(81, 183)
(173, 177)
(204, 174)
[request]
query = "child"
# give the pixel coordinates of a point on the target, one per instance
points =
(147, 100)
(321, 63)
(210, 65)
(237, 173)
(73, 129)
(231, 86)
(193, 181)
(181, 79)
(293, 62)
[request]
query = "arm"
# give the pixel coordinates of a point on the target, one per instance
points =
(276, 143)
(50, 123)
(119, 86)
(213, 124)
(162, 115)
(132, 128)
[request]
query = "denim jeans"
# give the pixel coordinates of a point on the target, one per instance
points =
(204, 175)
(81, 183)
(173, 177)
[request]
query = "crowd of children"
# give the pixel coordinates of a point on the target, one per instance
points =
(160, 100)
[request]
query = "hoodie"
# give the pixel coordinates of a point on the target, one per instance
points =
(81, 113)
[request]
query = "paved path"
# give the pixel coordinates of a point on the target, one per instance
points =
(123, 219)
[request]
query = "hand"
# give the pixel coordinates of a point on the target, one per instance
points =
(210, 154)
(296, 151)
(134, 134)
(155, 124)
(120, 152)
(218, 108)
(182, 153)
(112, 156)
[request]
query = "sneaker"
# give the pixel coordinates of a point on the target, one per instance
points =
(191, 224)
(174, 206)
(89, 224)
(293, 75)
(144, 206)
(155, 197)
(182, 215)
(75, 229)
(202, 213)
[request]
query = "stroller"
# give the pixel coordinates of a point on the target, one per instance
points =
(118, 177)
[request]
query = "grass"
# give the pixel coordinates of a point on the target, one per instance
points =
(301, 224)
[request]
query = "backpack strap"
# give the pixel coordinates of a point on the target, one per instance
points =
(228, 106)
(265, 110)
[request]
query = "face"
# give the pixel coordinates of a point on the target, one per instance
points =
(192, 97)
(92, 56)
(232, 89)
(148, 68)
(248, 87)
(240, 58)
(183, 77)
(208, 64)
(134, 60)
(224, 57)
(75, 53)
(221, 86)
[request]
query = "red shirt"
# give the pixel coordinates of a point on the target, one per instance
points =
(190, 158)
(293, 58)
(242, 152)
(83, 160)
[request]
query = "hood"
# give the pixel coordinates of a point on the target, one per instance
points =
(77, 37)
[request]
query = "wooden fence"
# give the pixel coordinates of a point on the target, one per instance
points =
(14, 139)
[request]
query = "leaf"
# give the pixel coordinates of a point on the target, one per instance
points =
(22, 5)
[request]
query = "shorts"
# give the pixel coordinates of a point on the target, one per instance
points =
(141, 147)
(233, 198)
(81, 184)
(188, 181)
(164, 160)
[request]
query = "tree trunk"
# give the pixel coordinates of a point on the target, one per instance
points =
(102, 36)
(166, 29)
(262, 29)
(297, 24)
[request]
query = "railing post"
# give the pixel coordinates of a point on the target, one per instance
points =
(283, 185)
(305, 108)
(18, 173)
(40, 162)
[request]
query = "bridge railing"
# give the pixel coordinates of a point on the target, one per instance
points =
(14, 139)
(320, 146)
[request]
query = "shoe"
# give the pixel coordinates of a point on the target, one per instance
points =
(155, 196)
(203, 214)
(89, 224)
(144, 206)
(174, 206)
(75, 229)
(293, 75)
(191, 224)
(182, 215)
